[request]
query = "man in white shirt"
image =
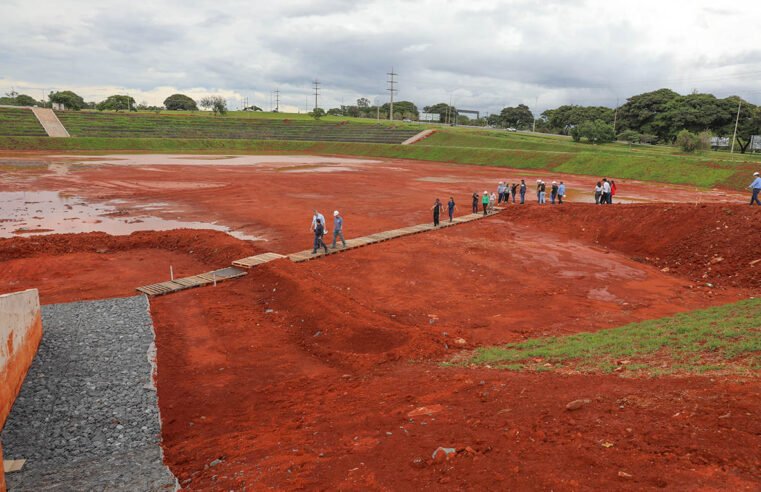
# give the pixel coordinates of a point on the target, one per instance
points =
(605, 192)
(318, 216)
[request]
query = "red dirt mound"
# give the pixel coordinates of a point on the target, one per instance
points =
(285, 380)
(72, 267)
(706, 243)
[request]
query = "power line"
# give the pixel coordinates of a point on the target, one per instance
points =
(391, 90)
(316, 85)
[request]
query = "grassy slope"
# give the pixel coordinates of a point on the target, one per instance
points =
(723, 339)
(456, 145)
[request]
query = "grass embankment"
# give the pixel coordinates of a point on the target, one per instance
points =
(724, 339)
(200, 132)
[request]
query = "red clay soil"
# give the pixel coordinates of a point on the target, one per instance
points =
(73, 267)
(312, 376)
(275, 201)
(707, 243)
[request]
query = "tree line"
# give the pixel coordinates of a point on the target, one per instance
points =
(660, 116)
(118, 102)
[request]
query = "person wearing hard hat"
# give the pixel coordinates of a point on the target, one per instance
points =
(338, 228)
(561, 192)
(755, 188)
(485, 201)
(542, 193)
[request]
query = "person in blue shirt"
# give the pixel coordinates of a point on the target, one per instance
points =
(561, 192)
(319, 231)
(338, 228)
(523, 191)
(450, 208)
(755, 187)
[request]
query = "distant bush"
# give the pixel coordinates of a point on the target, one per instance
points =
(629, 136)
(215, 103)
(317, 113)
(687, 141)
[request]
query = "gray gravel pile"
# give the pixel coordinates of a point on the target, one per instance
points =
(87, 415)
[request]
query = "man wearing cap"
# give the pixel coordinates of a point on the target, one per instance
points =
(338, 228)
(755, 187)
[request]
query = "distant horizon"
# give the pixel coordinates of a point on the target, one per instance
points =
(481, 55)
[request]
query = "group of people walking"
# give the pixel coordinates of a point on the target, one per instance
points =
(319, 229)
(605, 191)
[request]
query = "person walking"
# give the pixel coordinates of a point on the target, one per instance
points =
(492, 202)
(598, 192)
(338, 229)
(523, 191)
(513, 190)
(475, 203)
(538, 189)
(437, 206)
(553, 192)
(561, 192)
(542, 193)
(485, 201)
(319, 232)
(755, 188)
(501, 191)
(317, 216)
(450, 208)
(605, 191)
(612, 191)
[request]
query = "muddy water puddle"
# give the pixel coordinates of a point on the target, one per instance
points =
(26, 213)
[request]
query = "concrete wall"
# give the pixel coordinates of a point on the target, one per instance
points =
(20, 335)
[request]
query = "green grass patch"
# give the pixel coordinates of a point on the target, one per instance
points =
(723, 339)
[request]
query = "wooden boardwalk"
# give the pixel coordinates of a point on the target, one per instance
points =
(237, 270)
(199, 280)
(379, 237)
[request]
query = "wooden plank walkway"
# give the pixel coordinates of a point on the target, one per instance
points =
(236, 270)
(378, 237)
(199, 280)
(252, 261)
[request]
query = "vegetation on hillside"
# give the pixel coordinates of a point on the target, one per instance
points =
(725, 339)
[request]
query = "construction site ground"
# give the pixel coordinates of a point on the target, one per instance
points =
(339, 373)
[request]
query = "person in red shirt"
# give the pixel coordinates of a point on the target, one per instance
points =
(612, 191)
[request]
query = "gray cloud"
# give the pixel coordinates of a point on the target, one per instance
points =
(482, 54)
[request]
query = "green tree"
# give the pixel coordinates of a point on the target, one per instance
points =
(69, 99)
(403, 109)
(595, 132)
(117, 103)
(217, 104)
(566, 117)
(317, 113)
(642, 113)
(180, 102)
(519, 117)
(24, 100)
(363, 102)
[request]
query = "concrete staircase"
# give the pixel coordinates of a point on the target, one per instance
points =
(50, 122)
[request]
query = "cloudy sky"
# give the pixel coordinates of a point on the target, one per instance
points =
(481, 54)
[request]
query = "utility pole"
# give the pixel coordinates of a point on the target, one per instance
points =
(316, 85)
(536, 103)
(391, 90)
(615, 117)
(277, 100)
(737, 120)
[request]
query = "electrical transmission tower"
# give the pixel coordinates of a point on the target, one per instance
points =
(391, 89)
(277, 100)
(316, 85)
